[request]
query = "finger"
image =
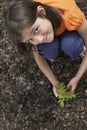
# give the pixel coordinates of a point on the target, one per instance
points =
(69, 86)
(55, 93)
(73, 88)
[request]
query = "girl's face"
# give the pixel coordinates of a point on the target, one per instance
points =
(40, 32)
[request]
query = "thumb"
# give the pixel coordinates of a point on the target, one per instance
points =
(54, 91)
(69, 85)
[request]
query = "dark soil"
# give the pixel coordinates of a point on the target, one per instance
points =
(26, 98)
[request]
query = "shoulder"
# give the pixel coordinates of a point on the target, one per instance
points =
(83, 28)
(58, 3)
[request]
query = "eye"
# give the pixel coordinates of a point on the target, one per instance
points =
(31, 40)
(36, 30)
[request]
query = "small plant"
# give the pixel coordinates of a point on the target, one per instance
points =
(63, 94)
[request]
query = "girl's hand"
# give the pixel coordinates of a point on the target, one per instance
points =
(54, 89)
(73, 83)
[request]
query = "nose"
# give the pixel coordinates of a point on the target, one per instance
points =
(38, 39)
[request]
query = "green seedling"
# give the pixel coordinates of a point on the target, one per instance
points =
(63, 94)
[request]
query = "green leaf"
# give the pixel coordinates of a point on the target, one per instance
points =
(63, 94)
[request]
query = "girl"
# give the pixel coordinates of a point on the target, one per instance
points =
(45, 27)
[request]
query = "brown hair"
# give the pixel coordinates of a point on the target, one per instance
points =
(21, 14)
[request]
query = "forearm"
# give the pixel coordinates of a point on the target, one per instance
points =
(45, 68)
(83, 67)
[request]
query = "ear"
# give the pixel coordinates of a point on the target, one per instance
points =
(41, 10)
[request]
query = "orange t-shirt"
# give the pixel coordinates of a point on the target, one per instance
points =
(72, 16)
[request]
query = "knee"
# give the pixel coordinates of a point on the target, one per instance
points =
(72, 45)
(49, 50)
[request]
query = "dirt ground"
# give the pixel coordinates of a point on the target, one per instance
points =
(26, 98)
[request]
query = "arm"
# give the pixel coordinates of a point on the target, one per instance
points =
(45, 68)
(83, 32)
(83, 67)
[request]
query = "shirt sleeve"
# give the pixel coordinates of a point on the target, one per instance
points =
(74, 20)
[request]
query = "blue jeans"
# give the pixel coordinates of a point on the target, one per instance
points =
(70, 42)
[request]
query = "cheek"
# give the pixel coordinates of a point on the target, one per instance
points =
(50, 28)
(45, 29)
